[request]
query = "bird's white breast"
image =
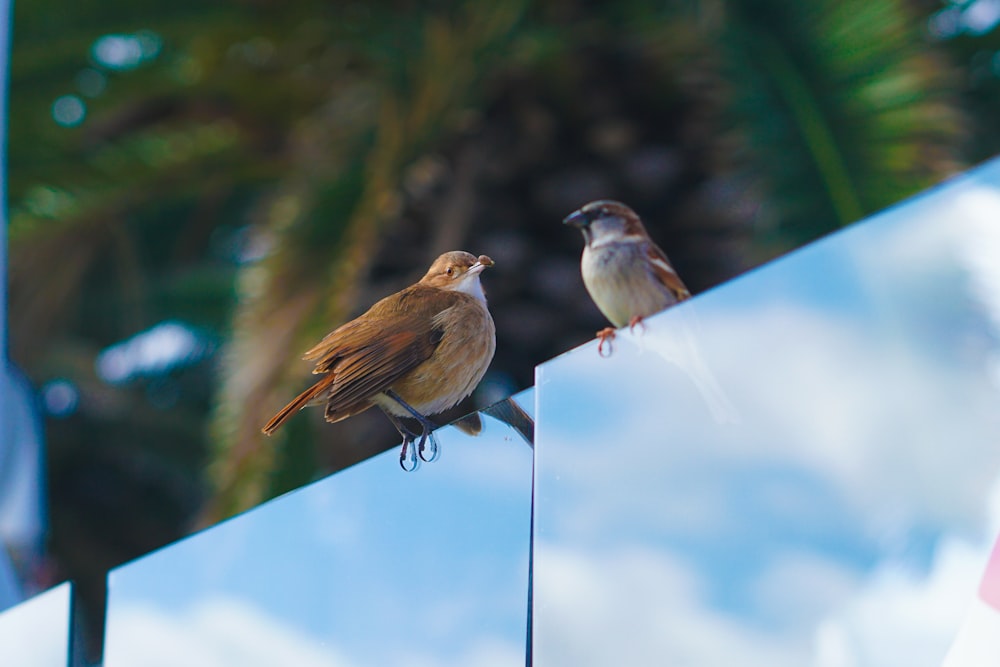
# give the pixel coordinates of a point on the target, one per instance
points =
(473, 288)
(621, 282)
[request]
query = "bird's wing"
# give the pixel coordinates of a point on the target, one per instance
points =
(369, 354)
(665, 273)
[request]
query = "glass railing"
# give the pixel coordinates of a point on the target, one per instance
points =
(371, 566)
(797, 468)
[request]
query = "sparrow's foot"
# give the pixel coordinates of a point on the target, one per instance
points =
(605, 335)
(636, 322)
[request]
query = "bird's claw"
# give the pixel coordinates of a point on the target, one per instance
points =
(410, 456)
(605, 336)
(636, 322)
(408, 459)
(418, 448)
(428, 443)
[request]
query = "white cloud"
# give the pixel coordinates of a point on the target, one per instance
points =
(978, 642)
(36, 632)
(636, 606)
(797, 589)
(226, 631)
(859, 418)
(480, 652)
(902, 617)
(639, 606)
(219, 632)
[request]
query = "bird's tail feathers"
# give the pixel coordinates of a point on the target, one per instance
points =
(297, 403)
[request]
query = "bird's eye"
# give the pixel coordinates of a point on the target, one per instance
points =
(450, 271)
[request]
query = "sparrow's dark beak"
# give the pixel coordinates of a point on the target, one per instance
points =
(578, 219)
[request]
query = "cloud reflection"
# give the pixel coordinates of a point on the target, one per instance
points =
(846, 518)
(370, 566)
(36, 632)
(216, 632)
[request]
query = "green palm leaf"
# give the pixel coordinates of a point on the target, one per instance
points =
(837, 106)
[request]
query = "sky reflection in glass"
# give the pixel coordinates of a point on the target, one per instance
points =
(35, 633)
(798, 468)
(371, 566)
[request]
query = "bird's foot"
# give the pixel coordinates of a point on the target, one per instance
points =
(605, 335)
(410, 456)
(411, 462)
(408, 459)
(416, 448)
(428, 443)
(636, 322)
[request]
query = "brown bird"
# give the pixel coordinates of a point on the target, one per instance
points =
(628, 276)
(415, 353)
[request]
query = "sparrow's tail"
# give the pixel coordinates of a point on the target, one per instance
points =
(299, 402)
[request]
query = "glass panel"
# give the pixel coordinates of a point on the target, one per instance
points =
(35, 633)
(371, 566)
(798, 468)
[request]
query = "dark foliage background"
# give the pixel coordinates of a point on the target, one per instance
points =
(251, 173)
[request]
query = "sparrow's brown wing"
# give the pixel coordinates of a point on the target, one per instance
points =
(367, 355)
(665, 273)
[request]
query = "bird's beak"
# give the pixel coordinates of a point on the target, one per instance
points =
(577, 219)
(482, 262)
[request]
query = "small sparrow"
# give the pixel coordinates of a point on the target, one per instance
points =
(415, 353)
(627, 275)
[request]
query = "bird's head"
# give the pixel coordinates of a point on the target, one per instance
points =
(605, 221)
(459, 271)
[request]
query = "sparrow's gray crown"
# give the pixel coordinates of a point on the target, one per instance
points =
(595, 210)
